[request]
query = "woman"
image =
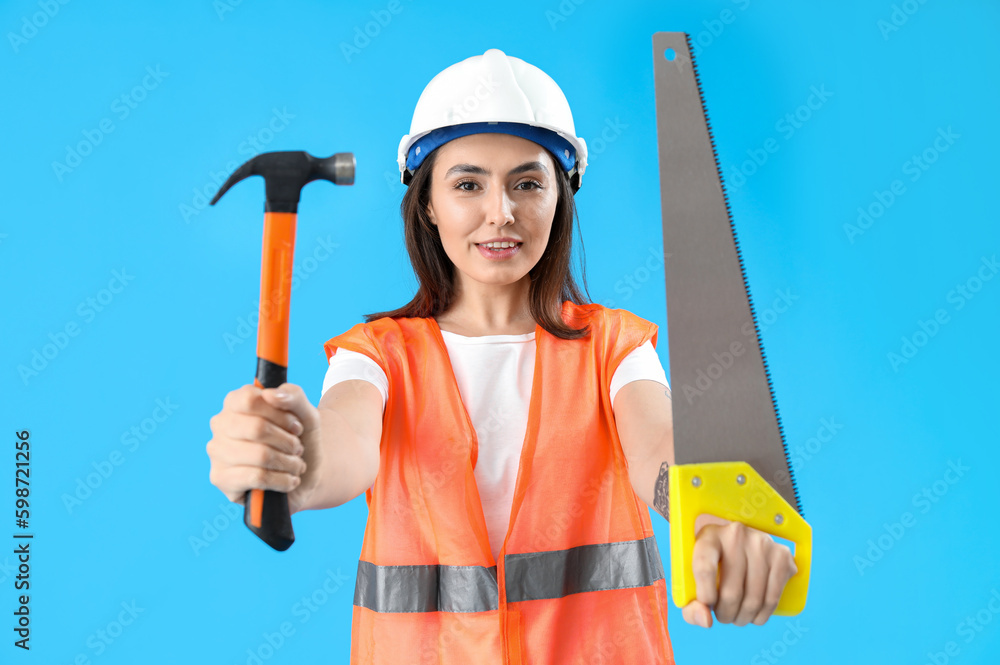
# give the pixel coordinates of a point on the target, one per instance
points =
(508, 434)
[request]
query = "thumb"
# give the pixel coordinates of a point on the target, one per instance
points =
(698, 614)
(291, 397)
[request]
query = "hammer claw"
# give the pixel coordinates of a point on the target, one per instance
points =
(287, 172)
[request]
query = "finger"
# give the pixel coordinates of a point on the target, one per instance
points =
(782, 569)
(250, 453)
(218, 478)
(758, 570)
(236, 497)
(732, 573)
(295, 403)
(233, 495)
(256, 429)
(240, 479)
(705, 565)
(250, 399)
(698, 614)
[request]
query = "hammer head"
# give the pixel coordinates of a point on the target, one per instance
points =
(286, 173)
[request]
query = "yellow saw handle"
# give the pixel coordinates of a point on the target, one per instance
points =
(733, 491)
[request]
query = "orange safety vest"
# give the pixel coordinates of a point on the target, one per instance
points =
(579, 578)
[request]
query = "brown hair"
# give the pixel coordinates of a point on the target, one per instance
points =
(551, 278)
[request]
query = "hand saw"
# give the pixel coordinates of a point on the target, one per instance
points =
(730, 451)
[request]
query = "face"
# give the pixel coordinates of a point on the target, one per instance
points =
(486, 186)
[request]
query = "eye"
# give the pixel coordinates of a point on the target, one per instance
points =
(460, 185)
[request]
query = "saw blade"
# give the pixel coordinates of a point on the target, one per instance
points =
(724, 407)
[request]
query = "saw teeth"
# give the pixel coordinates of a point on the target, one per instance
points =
(743, 272)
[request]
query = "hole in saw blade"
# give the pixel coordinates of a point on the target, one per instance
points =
(670, 54)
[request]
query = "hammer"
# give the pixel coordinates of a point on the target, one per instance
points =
(266, 512)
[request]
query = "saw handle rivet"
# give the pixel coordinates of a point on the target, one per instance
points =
(740, 479)
(696, 481)
(778, 519)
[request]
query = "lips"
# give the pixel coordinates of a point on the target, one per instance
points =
(514, 240)
(499, 254)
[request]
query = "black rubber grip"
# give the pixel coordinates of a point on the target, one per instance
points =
(276, 519)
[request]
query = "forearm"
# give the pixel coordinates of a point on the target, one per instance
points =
(344, 464)
(649, 480)
(649, 475)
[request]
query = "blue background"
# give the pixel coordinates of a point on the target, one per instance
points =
(154, 534)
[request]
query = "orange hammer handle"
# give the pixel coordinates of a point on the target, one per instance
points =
(266, 512)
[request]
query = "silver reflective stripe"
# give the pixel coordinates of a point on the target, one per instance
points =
(426, 588)
(543, 575)
(531, 576)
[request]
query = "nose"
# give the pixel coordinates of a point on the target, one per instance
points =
(499, 208)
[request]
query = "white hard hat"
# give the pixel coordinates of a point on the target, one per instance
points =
(493, 92)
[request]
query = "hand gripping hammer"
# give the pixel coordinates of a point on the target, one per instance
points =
(266, 512)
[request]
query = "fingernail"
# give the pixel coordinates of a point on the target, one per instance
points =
(296, 427)
(702, 621)
(281, 395)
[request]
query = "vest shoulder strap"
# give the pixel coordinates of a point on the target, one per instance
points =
(623, 332)
(366, 338)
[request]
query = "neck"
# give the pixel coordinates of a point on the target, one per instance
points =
(490, 309)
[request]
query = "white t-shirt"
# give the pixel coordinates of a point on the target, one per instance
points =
(486, 368)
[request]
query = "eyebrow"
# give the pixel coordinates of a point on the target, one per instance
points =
(479, 170)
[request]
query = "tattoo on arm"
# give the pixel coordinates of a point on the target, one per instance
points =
(661, 498)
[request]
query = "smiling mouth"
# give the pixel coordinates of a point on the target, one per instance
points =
(500, 253)
(516, 244)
